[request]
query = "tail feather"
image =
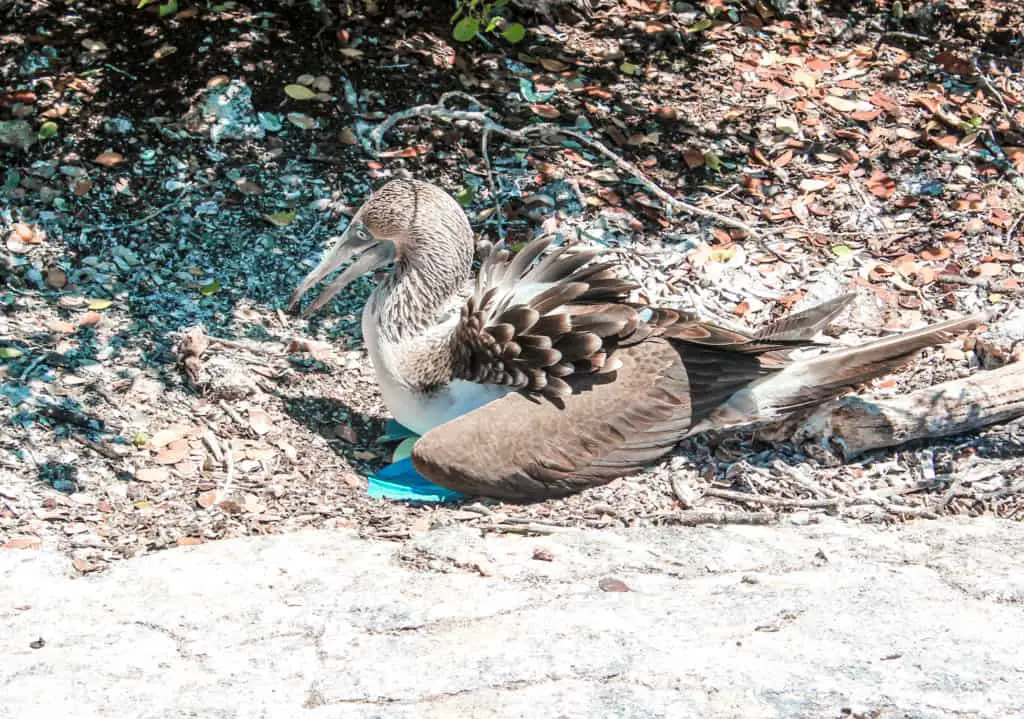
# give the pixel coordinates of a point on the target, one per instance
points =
(806, 383)
(805, 325)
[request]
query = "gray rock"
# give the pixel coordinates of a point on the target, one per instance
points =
(922, 620)
(17, 133)
(225, 112)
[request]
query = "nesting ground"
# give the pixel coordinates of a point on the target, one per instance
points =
(167, 172)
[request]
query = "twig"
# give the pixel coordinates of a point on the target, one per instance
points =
(146, 218)
(983, 282)
(440, 110)
(223, 493)
(698, 516)
(97, 447)
(31, 367)
(210, 440)
(119, 71)
(78, 419)
(230, 412)
(525, 528)
(653, 187)
(732, 496)
(905, 36)
(987, 85)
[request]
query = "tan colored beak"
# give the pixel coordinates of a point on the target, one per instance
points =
(371, 255)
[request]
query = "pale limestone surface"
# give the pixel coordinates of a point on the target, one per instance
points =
(924, 620)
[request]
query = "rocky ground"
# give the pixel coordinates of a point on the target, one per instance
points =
(170, 168)
(837, 620)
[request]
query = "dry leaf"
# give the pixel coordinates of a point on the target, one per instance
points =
(935, 253)
(989, 269)
(165, 436)
(90, 319)
(405, 152)
(548, 112)
(553, 65)
(802, 77)
(172, 453)
(846, 105)
(693, 159)
(810, 185)
(260, 421)
(156, 475)
(23, 543)
(60, 326)
(302, 121)
(56, 278)
(109, 158)
(787, 125)
(207, 499)
(347, 433)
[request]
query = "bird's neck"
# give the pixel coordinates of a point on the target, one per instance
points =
(415, 298)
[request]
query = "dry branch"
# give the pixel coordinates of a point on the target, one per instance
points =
(542, 130)
(853, 425)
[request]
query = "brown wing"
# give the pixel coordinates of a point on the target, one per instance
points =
(522, 447)
(518, 328)
(536, 326)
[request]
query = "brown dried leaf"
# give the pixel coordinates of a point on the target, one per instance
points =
(90, 319)
(844, 104)
(260, 421)
(552, 65)
(171, 434)
(548, 112)
(60, 326)
(208, 498)
(156, 475)
(109, 158)
(935, 253)
(173, 453)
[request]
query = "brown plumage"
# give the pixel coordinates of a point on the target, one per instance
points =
(597, 387)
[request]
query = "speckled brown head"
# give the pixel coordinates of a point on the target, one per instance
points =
(405, 221)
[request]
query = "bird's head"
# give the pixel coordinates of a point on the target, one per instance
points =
(402, 220)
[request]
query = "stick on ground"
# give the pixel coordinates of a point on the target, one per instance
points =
(542, 131)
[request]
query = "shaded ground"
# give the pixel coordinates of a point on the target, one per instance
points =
(867, 150)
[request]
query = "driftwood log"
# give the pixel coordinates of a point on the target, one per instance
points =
(852, 425)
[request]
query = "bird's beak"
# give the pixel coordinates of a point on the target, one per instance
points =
(372, 254)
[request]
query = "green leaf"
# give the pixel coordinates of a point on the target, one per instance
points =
(700, 26)
(280, 219)
(629, 68)
(712, 161)
(140, 439)
(299, 92)
(841, 251)
(143, 3)
(209, 288)
(514, 33)
(10, 353)
(168, 8)
(48, 129)
(466, 29)
(465, 195)
(100, 304)
(493, 23)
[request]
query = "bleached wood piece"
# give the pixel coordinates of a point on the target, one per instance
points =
(853, 425)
